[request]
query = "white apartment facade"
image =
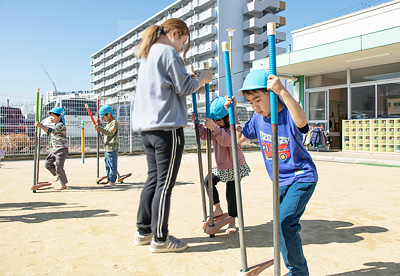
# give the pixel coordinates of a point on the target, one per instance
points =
(115, 68)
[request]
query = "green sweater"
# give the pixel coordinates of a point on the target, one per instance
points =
(110, 132)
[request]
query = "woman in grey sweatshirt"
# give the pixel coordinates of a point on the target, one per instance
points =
(160, 113)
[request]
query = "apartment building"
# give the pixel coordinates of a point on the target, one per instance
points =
(115, 68)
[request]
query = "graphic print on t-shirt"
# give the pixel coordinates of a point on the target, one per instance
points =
(283, 148)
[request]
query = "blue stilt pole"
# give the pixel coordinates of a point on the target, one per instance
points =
(271, 27)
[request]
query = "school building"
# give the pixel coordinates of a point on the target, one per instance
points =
(114, 68)
(348, 77)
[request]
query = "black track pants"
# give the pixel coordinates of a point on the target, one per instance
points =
(163, 153)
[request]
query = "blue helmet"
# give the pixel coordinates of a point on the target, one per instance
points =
(256, 79)
(217, 108)
(105, 109)
(58, 111)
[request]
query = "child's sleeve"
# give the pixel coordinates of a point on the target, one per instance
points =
(110, 130)
(202, 132)
(249, 130)
(223, 137)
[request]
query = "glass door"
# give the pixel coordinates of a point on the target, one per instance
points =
(317, 108)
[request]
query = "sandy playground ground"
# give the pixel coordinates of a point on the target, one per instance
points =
(351, 225)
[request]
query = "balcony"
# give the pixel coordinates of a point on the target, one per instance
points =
(129, 85)
(206, 16)
(97, 68)
(258, 23)
(183, 12)
(258, 39)
(257, 7)
(207, 48)
(128, 53)
(253, 55)
(110, 91)
(199, 4)
(212, 63)
(129, 74)
(129, 41)
(97, 60)
(205, 33)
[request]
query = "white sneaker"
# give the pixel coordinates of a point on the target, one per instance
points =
(143, 239)
(171, 244)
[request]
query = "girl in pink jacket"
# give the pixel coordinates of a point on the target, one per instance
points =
(218, 123)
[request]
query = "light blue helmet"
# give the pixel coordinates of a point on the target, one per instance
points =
(256, 79)
(58, 111)
(105, 109)
(217, 108)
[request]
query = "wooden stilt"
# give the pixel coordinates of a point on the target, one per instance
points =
(256, 269)
(39, 185)
(122, 177)
(211, 230)
(206, 223)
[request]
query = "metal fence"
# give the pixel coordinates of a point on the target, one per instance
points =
(17, 134)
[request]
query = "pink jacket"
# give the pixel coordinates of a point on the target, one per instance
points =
(221, 140)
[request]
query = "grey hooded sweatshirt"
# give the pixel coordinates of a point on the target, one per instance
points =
(161, 90)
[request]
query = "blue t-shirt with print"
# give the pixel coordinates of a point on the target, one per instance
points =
(295, 163)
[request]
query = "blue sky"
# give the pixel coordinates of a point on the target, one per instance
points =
(62, 35)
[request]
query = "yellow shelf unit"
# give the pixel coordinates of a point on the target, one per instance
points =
(372, 135)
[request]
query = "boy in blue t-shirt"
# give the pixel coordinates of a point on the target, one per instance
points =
(297, 172)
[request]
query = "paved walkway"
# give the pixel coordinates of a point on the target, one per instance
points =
(356, 158)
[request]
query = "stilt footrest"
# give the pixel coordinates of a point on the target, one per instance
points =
(204, 224)
(218, 225)
(39, 185)
(122, 177)
(257, 268)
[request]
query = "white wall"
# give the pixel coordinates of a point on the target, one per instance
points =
(369, 20)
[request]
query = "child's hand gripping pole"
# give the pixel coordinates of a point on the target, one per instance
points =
(199, 159)
(271, 27)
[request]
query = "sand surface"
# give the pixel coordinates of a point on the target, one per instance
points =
(351, 225)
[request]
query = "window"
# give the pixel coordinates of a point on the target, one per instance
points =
(389, 100)
(374, 73)
(331, 79)
(363, 102)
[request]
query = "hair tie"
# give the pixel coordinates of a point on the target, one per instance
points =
(160, 30)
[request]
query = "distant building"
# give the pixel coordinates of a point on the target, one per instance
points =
(54, 95)
(115, 68)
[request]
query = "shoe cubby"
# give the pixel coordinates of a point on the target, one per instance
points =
(372, 135)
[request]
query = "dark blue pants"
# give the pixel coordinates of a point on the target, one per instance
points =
(293, 200)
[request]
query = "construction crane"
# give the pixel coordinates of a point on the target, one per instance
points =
(54, 84)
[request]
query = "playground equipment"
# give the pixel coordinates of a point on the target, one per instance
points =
(259, 267)
(199, 159)
(120, 178)
(213, 224)
(36, 155)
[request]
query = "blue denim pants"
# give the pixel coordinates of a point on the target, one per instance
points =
(111, 160)
(293, 200)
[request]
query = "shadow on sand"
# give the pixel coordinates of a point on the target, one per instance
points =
(317, 232)
(375, 268)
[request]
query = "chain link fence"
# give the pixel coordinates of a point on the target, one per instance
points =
(17, 132)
